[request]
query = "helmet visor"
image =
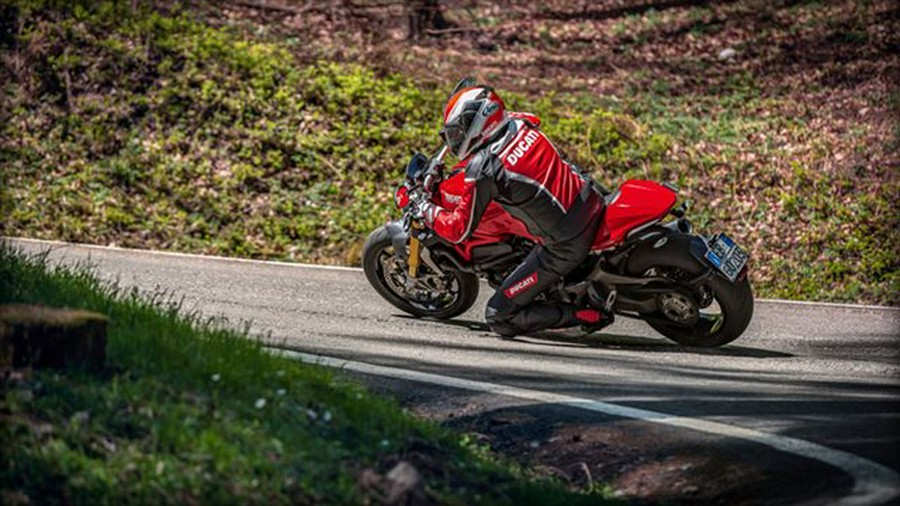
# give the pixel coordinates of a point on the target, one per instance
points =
(453, 136)
(455, 132)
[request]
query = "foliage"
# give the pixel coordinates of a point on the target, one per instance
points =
(816, 231)
(164, 132)
(155, 127)
(192, 412)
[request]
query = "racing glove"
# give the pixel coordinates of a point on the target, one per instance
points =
(424, 209)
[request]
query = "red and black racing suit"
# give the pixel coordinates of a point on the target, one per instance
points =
(522, 171)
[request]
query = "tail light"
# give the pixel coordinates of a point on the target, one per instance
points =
(401, 197)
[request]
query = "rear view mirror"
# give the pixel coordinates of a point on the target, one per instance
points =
(416, 165)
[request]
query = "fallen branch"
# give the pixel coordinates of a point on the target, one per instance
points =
(587, 472)
(459, 29)
(265, 6)
(312, 6)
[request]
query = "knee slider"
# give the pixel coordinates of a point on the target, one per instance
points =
(498, 321)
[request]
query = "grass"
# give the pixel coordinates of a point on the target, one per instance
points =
(165, 132)
(189, 411)
(817, 231)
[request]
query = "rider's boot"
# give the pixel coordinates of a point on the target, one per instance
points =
(592, 320)
(543, 316)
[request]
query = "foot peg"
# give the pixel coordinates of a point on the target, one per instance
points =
(610, 302)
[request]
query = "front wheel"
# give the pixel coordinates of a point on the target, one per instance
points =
(721, 319)
(430, 294)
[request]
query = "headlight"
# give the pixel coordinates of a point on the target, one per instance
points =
(401, 197)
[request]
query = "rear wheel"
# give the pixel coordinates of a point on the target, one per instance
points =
(714, 314)
(430, 294)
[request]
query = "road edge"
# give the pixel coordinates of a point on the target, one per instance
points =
(51, 243)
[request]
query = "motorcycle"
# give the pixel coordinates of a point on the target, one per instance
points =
(691, 288)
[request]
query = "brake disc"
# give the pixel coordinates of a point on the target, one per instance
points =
(679, 307)
(426, 289)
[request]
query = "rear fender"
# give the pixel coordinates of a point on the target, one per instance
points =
(672, 249)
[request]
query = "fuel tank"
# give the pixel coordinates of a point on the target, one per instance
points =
(496, 224)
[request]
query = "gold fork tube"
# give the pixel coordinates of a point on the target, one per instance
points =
(415, 247)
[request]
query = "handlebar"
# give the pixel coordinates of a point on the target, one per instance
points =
(432, 173)
(438, 158)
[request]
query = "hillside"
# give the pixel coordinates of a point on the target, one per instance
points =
(233, 130)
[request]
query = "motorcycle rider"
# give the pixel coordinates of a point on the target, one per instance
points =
(508, 160)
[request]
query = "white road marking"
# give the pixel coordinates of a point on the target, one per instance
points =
(50, 243)
(873, 482)
(843, 305)
(63, 244)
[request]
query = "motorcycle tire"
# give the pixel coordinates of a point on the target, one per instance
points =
(736, 303)
(379, 241)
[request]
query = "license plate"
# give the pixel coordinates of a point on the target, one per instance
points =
(726, 256)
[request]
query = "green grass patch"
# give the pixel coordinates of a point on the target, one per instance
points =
(190, 411)
(162, 131)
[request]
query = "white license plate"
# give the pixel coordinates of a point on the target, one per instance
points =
(726, 256)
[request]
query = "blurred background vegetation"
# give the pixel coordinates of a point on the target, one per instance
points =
(278, 129)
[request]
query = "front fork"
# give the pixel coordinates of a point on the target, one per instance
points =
(415, 248)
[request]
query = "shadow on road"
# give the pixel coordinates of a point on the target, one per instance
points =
(637, 343)
(648, 463)
(613, 341)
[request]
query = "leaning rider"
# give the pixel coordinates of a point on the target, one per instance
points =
(510, 161)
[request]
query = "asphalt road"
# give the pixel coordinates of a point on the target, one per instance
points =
(825, 374)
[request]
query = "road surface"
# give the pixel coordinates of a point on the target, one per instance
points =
(828, 375)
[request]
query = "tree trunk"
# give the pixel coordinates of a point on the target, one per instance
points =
(38, 336)
(425, 15)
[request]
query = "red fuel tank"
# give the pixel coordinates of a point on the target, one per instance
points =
(496, 224)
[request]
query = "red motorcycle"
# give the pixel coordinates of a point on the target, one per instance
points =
(691, 288)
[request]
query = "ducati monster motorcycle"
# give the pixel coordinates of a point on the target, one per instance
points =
(645, 261)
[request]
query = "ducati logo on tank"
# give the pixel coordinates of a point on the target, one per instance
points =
(521, 286)
(522, 147)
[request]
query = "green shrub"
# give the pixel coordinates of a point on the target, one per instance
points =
(220, 144)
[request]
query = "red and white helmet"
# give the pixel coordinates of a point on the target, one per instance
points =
(472, 115)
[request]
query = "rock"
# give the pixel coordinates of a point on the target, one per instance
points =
(39, 336)
(401, 486)
(727, 54)
(404, 486)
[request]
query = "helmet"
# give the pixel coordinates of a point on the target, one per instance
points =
(472, 115)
